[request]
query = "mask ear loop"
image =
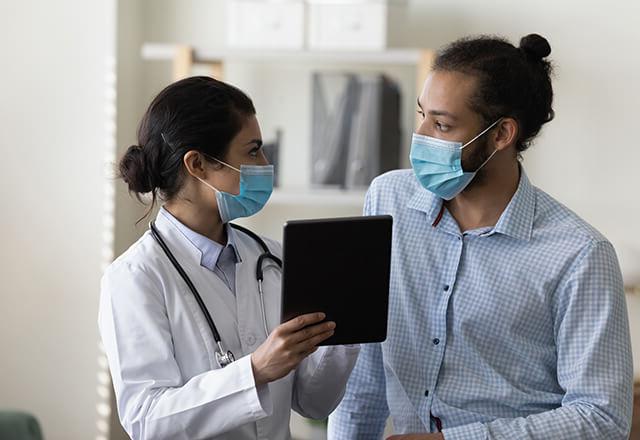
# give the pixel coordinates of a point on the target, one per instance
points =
(221, 162)
(208, 184)
(481, 133)
(494, 151)
(166, 141)
(488, 159)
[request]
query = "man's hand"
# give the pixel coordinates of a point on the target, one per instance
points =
(435, 436)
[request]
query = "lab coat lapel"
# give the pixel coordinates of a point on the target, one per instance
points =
(249, 323)
(249, 313)
(213, 291)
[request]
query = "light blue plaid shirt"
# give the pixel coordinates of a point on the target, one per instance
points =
(518, 331)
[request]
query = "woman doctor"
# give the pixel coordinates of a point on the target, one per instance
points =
(200, 152)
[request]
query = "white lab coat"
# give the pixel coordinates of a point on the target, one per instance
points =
(162, 354)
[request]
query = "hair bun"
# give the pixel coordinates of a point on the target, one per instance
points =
(135, 172)
(535, 46)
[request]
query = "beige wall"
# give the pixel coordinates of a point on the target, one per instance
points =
(132, 102)
(53, 140)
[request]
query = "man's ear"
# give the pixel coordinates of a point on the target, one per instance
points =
(505, 134)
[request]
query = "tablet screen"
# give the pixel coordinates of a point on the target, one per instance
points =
(341, 267)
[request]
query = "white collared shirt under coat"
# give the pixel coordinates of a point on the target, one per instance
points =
(161, 351)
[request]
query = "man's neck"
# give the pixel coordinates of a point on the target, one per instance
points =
(482, 204)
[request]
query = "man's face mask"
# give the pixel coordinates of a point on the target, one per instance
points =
(437, 164)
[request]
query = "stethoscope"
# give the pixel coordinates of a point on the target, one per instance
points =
(223, 357)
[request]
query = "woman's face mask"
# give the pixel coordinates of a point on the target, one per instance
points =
(256, 186)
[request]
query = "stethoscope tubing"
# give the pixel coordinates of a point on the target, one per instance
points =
(223, 358)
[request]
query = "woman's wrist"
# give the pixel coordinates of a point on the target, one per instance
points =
(257, 377)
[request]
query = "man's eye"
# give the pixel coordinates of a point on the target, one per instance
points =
(442, 127)
(254, 152)
(421, 113)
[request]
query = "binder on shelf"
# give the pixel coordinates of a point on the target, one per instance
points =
(334, 100)
(355, 128)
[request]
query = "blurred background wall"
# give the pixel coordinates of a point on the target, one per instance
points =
(585, 157)
(57, 101)
(57, 134)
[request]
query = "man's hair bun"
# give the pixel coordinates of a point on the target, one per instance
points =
(535, 46)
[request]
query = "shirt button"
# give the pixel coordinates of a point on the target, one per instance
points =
(251, 340)
(436, 341)
(446, 287)
(426, 393)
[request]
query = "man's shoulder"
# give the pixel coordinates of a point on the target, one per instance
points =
(394, 178)
(396, 186)
(552, 216)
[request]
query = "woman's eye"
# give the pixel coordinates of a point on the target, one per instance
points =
(420, 112)
(254, 152)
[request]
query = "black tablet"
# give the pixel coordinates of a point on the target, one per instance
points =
(341, 267)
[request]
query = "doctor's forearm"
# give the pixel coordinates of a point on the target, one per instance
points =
(209, 404)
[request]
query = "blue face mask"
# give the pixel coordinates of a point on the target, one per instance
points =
(438, 164)
(256, 186)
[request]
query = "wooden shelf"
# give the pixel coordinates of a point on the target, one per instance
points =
(632, 289)
(183, 58)
(168, 52)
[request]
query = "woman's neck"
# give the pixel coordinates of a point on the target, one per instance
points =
(206, 222)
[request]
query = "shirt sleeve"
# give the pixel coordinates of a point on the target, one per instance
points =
(363, 411)
(594, 363)
(320, 380)
(153, 398)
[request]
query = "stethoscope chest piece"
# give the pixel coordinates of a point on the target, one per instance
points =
(223, 358)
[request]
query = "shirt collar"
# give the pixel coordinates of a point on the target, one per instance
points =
(515, 221)
(209, 250)
(427, 202)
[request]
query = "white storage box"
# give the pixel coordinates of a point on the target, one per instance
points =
(348, 24)
(265, 24)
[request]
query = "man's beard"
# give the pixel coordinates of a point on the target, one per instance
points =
(477, 156)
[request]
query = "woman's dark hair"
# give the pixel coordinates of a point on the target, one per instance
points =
(197, 113)
(511, 82)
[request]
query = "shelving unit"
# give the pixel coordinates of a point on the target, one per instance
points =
(184, 58)
(318, 196)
